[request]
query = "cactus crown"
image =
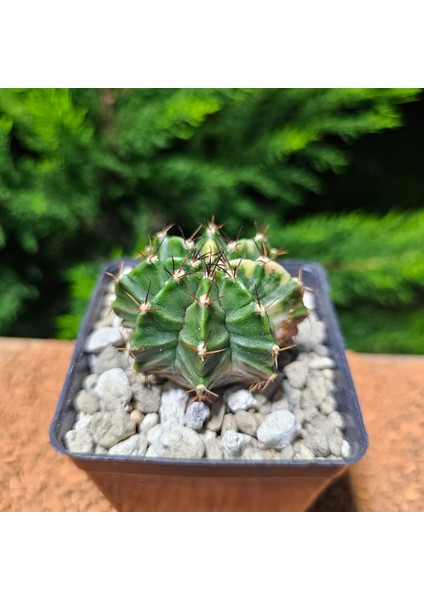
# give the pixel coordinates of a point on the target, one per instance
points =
(207, 311)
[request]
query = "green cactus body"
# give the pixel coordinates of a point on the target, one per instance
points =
(205, 315)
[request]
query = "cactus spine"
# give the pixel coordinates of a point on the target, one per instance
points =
(209, 311)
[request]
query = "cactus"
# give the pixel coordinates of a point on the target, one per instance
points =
(209, 311)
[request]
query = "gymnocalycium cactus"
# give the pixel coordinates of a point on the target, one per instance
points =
(208, 311)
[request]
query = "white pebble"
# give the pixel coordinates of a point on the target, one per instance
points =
(346, 449)
(278, 430)
(109, 428)
(287, 453)
(110, 358)
(265, 409)
(154, 432)
(321, 350)
(149, 421)
(196, 415)
(113, 389)
(260, 400)
(86, 402)
(318, 386)
(240, 399)
(309, 299)
(89, 382)
(336, 418)
(229, 423)
(292, 395)
(173, 407)
(213, 446)
(217, 416)
(335, 442)
(91, 361)
(246, 422)
(116, 321)
(302, 452)
(297, 373)
(309, 413)
(251, 453)
(233, 443)
(328, 405)
(321, 362)
(82, 421)
(307, 399)
(100, 338)
(208, 435)
(329, 374)
(146, 397)
(179, 442)
(310, 333)
(318, 443)
(299, 416)
(79, 441)
(136, 445)
(105, 321)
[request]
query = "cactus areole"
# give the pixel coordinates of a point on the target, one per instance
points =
(208, 311)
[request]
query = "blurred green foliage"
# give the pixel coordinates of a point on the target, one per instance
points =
(85, 173)
(376, 270)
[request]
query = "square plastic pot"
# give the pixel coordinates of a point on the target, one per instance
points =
(159, 484)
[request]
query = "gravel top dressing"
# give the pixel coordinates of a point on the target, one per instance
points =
(121, 412)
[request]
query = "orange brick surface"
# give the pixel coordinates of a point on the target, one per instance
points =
(391, 391)
(34, 477)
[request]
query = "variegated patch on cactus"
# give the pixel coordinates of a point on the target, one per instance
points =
(209, 311)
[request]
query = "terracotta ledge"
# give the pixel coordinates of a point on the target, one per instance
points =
(35, 478)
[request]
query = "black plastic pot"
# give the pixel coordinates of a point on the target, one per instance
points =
(159, 484)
